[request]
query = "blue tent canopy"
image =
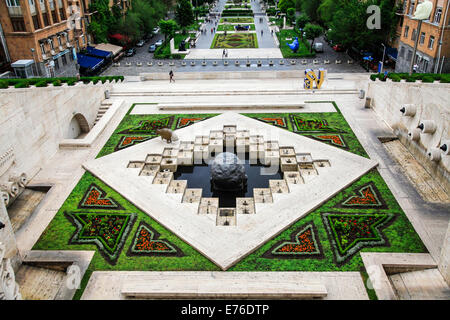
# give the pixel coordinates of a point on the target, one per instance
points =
(98, 53)
(87, 62)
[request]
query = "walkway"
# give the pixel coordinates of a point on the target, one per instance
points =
(266, 44)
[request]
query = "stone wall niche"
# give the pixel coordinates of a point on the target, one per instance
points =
(226, 217)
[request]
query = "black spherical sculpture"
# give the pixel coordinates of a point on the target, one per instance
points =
(227, 173)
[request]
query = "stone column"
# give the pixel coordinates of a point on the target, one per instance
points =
(444, 260)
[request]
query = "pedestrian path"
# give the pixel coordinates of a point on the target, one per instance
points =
(261, 53)
(267, 48)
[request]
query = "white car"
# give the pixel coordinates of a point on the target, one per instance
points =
(318, 46)
(156, 30)
(158, 43)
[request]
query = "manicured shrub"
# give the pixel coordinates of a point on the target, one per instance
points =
(445, 78)
(57, 83)
(427, 79)
(71, 82)
(3, 84)
(410, 79)
(373, 77)
(41, 84)
(395, 78)
(22, 84)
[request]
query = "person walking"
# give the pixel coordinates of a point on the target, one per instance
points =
(261, 32)
(171, 76)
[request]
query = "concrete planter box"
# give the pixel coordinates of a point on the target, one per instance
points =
(270, 63)
(292, 62)
(160, 64)
(259, 63)
(338, 61)
(350, 61)
(225, 63)
(128, 64)
(183, 64)
(204, 63)
(139, 64)
(281, 62)
(304, 61)
(236, 63)
(214, 63)
(171, 63)
(326, 61)
(192, 63)
(315, 61)
(149, 64)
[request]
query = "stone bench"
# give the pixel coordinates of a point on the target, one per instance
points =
(222, 285)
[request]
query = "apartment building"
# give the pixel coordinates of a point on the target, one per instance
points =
(50, 32)
(433, 49)
(5, 60)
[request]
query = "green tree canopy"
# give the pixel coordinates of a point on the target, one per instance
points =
(168, 28)
(184, 14)
(284, 5)
(312, 31)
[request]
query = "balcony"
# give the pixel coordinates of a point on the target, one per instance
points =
(15, 11)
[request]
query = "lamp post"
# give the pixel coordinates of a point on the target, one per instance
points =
(382, 60)
(35, 64)
(423, 12)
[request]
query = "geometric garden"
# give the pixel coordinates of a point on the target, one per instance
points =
(362, 217)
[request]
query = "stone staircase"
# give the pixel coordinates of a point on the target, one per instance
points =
(102, 110)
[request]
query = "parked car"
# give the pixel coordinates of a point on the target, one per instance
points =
(156, 30)
(130, 52)
(318, 46)
(159, 43)
(338, 48)
(152, 48)
(140, 43)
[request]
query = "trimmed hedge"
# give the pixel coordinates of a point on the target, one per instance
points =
(44, 82)
(424, 77)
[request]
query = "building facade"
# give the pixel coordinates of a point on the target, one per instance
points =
(433, 49)
(50, 32)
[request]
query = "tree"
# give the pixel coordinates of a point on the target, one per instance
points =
(184, 14)
(284, 5)
(301, 22)
(312, 31)
(348, 26)
(131, 26)
(168, 28)
(309, 7)
(290, 14)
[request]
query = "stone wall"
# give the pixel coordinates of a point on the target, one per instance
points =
(8, 238)
(33, 121)
(444, 261)
(431, 101)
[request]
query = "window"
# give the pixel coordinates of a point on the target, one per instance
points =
(18, 24)
(64, 60)
(411, 8)
(12, 3)
(50, 41)
(61, 13)
(414, 35)
(437, 15)
(56, 64)
(42, 45)
(409, 55)
(431, 42)
(36, 23)
(59, 41)
(406, 31)
(45, 18)
(83, 40)
(422, 38)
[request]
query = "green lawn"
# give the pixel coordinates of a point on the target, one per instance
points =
(396, 235)
(235, 41)
(303, 50)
